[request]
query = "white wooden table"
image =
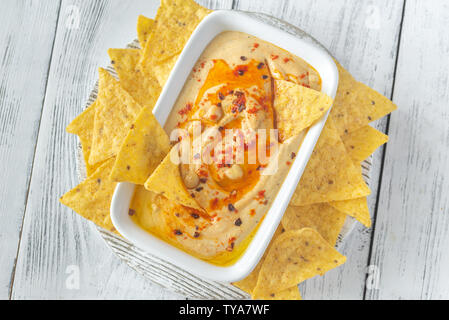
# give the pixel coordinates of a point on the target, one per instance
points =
(49, 53)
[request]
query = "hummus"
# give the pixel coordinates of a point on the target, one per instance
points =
(230, 89)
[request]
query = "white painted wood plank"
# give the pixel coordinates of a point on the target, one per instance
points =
(412, 230)
(363, 36)
(26, 40)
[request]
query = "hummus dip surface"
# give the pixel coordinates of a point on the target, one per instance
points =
(230, 89)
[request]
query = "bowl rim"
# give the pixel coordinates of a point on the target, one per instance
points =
(215, 23)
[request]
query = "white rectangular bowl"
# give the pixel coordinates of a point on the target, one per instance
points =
(206, 31)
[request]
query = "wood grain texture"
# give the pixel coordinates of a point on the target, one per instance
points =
(363, 36)
(411, 232)
(26, 41)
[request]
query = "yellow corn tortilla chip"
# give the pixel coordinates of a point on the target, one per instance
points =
(322, 217)
(114, 116)
(356, 104)
(362, 143)
(249, 283)
(83, 127)
(175, 22)
(294, 257)
(142, 151)
(162, 70)
(166, 180)
(92, 198)
(330, 174)
(297, 107)
(143, 87)
(357, 208)
(287, 294)
(144, 27)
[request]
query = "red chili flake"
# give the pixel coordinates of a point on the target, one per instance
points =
(252, 212)
(252, 110)
(274, 56)
(288, 163)
(286, 60)
(202, 64)
(185, 110)
(261, 194)
(302, 76)
(213, 117)
(131, 212)
(177, 232)
(305, 85)
(214, 203)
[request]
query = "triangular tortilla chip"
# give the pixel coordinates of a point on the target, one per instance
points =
(83, 127)
(144, 27)
(356, 104)
(162, 70)
(362, 143)
(114, 116)
(142, 151)
(166, 180)
(321, 217)
(294, 257)
(249, 283)
(143, 87)
(92, 198)
(330, 174)
(357, 208)
(297, 107)
(175, 22)
(287, 294)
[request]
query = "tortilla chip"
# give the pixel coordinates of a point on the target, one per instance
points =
(142, 151)
(356, 104)
(144, 27)
(175, 22)
(249, 283)
(357, 208)
(114, 116)
(143, 87)
(294, 257)
(166, 180)
(92, 198)
(162, 70)
(362, 143)
(321, 217)
(83, 127)
(287, 294)
(330, 174)
(297, 107)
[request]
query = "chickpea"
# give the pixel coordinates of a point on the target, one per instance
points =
(190, 178)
